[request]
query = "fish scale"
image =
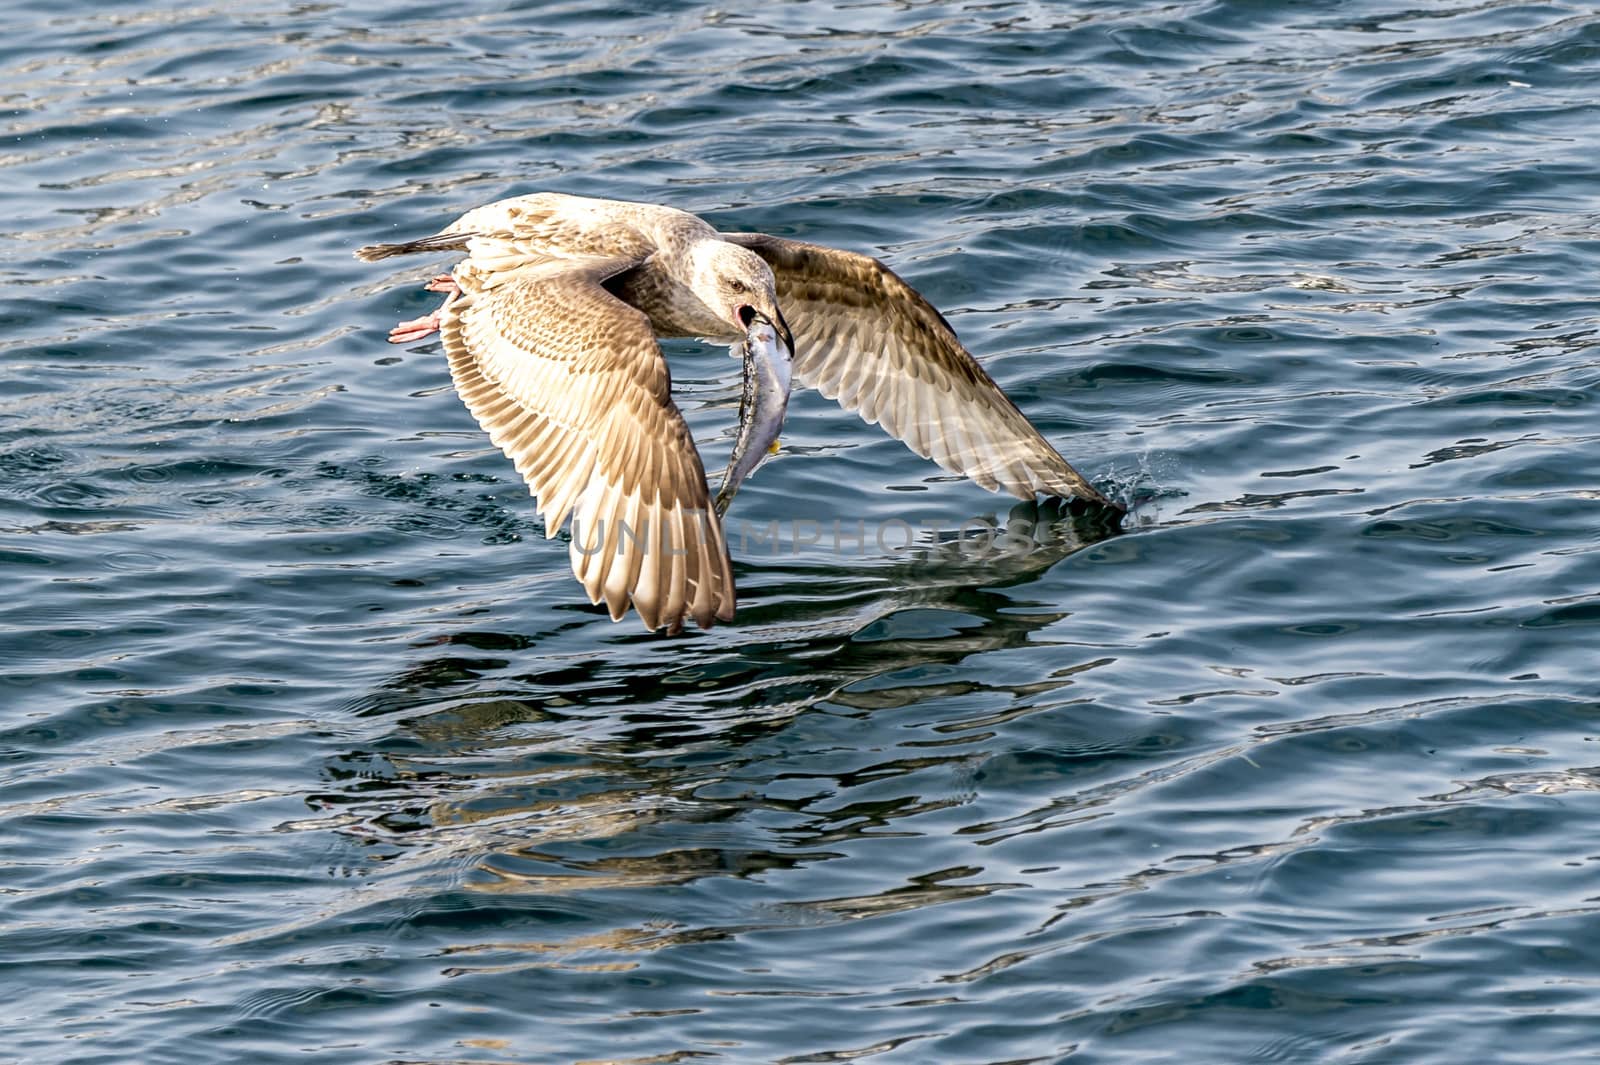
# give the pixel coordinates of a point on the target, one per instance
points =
(762, 405)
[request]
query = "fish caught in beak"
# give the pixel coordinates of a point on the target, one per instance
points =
(749, 316)
(768, 351)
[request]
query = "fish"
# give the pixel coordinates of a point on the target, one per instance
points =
(768, 372)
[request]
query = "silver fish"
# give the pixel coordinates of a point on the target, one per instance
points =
(767, 365)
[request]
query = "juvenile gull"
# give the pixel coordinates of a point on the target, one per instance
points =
(550, 326)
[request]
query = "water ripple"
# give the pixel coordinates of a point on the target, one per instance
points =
(312, 752)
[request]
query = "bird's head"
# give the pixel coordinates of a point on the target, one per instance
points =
(738, 285)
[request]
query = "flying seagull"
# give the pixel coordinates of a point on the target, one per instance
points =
(550, 325)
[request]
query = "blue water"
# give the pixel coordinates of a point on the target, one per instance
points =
(312, 751)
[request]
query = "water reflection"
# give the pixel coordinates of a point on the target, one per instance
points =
(940, 602)
(594, 774)
(520, 774)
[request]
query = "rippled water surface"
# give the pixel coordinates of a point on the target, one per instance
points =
(313, 751)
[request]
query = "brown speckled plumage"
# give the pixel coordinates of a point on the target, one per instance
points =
(551, 340)
(868, 340)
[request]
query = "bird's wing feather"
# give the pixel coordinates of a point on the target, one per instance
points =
(554, 225)
(509, 233)
(568, 381)
(870, 341)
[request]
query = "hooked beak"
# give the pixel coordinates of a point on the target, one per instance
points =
(749, 315)
(783, 331)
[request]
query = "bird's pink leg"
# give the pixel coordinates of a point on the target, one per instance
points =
(417, 328)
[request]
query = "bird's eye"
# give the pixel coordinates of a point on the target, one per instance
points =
(739, 286)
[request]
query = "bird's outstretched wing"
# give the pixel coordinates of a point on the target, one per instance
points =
(569, 382)
(870, 341)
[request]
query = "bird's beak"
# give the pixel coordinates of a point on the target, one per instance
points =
(775, 319)
(783, 331)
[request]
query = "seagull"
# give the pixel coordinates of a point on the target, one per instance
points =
(551, 324)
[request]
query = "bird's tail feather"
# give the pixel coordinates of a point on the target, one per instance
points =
(371, 253)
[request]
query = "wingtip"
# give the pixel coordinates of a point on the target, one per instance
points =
(1104, 509)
